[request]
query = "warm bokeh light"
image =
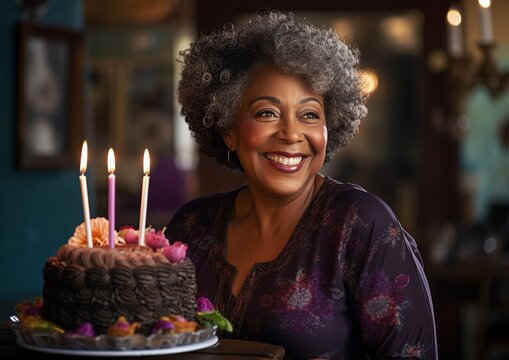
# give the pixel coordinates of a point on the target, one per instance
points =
(399, 30)
(111, 161)
(485, 3)
(369, 81)
(84, 157)
(454, 17)
(344, 28)
(402, 32)
(146, 162)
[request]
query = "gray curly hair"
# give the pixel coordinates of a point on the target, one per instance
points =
(217, 69)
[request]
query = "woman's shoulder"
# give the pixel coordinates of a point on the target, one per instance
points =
(341, 194)
(350, 192)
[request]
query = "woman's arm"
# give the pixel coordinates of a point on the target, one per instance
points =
(388, 290)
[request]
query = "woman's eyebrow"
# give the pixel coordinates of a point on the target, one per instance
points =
(277, 101)
(308, 99)
(270, 98)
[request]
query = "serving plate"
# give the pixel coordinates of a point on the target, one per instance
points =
(103, 345)
(111, 353)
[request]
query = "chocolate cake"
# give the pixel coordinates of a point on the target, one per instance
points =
(99, 284)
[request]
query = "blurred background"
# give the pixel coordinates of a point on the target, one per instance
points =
(435, 144)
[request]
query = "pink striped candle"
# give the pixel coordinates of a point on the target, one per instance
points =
(111, 198)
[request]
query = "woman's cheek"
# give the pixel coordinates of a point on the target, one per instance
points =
(319, 140)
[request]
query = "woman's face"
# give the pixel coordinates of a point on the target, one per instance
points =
(280, 133)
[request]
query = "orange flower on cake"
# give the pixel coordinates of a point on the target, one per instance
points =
(100, 233)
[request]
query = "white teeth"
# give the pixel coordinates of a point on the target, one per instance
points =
(285, 160)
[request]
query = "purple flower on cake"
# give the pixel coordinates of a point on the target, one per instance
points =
(207, 315)
(27, 308)
(203, 304)
(175, 252)
(84, 329)
(129, 234)
(156, 239)
(163, 326)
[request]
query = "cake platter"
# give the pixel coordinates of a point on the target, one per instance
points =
(103, 345)
(112, 353)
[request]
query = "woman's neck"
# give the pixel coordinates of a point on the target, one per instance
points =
(267, 214)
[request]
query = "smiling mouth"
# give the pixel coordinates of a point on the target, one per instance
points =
(284, 160)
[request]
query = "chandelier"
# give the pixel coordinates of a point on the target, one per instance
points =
(464, 73)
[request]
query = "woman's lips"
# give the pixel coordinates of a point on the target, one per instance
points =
(286, 162)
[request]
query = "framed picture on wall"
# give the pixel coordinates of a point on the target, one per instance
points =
(50, 97)
(101, 82)
(149, 107)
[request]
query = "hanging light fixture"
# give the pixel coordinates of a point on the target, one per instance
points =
(463, 72)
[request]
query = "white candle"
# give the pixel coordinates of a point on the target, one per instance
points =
(485, 17)
(111, 198)
(144, 197)
(84, 193)
(454, 33)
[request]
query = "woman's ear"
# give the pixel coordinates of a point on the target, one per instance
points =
(229, 140)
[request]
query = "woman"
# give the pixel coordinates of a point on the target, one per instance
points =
(295, 258)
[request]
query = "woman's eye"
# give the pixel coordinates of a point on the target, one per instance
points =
(311, 115)
(266, 113)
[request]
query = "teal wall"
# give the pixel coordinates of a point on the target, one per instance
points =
(484, 160)
(38, 210)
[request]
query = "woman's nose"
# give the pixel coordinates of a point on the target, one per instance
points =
(290, 131)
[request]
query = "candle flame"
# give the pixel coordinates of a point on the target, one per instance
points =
(485, 3)
(84, 157)
(146, 162)
(454, 17)
(111, 161)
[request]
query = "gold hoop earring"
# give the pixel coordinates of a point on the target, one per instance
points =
(228, 156)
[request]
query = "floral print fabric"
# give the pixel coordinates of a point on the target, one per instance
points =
(349, 284)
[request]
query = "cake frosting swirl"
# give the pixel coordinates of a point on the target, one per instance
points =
(99, 284)
(103, 257)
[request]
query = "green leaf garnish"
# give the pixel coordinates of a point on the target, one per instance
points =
(214, 318)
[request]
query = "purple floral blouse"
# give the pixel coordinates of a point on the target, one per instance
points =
(349, 284)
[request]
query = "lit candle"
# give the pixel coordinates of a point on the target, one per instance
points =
(486, 27)
(111, 198)
(144, 197)
(84, 193)
(455, 32)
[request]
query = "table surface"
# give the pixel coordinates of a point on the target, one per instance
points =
(474, 269)
(475, 285)
(224, 350)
